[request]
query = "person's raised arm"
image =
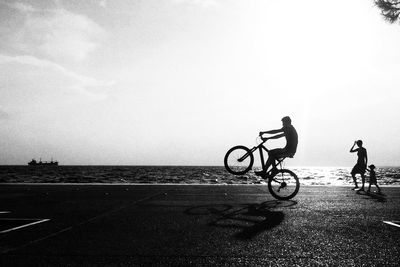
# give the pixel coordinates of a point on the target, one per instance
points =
(352, 148)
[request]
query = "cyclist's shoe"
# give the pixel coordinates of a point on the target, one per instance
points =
(261, 173)
(265, 174)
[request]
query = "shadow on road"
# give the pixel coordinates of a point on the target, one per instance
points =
(251, 219)
(379, 197)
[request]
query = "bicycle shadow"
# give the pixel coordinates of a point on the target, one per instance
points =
(251, 219)
(378, 197)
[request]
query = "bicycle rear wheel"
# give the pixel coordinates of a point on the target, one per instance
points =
(238, 160)
(284, 185)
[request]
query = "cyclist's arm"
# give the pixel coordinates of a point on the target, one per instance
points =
(276, 136)
(272, 131)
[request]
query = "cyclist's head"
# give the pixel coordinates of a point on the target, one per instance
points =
(286, 120)
(359, 143)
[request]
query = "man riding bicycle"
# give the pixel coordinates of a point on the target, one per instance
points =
(287, 131)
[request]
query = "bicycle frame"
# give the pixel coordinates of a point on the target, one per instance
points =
(261, 147)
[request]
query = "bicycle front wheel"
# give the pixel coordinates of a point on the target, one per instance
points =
(238, 160)
(284, 185)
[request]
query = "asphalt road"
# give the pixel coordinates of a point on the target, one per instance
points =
(203, 225)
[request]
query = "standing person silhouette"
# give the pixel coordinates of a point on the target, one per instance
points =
(287, 131)
(372, 178)
(361, 164)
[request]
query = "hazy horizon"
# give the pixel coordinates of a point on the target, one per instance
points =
(257, 166)
(179, 82)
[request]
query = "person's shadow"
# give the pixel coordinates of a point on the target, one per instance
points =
(378, 197)
(251, 219)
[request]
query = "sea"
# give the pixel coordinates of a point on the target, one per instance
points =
(327, 176)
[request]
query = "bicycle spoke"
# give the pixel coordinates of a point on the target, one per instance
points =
(237, 162)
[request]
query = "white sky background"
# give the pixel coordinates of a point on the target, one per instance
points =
(178, 82)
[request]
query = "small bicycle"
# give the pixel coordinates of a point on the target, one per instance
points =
(283, 184)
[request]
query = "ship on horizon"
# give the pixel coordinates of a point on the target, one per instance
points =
(33, 162)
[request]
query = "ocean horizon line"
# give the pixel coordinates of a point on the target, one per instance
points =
(183, 165)
(177, 174)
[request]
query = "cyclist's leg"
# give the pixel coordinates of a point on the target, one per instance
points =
(270, 161)
(273, 156)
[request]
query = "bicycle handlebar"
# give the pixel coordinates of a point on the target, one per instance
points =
(263, 140)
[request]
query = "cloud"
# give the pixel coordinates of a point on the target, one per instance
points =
(30, 60)
(103, 3)
(3, 113)
(202, 3)
(37, 76)
(55, 34)
(22, 7)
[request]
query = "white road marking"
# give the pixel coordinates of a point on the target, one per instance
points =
(392, 223)
(2, 212)
(22, 226)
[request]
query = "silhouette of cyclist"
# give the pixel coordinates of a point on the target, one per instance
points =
(290, 133)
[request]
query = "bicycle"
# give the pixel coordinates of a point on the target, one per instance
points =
(283, 184)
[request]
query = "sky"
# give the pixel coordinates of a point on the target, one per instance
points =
(179, 82)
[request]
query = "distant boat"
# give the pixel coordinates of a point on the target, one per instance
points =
(33, 162)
